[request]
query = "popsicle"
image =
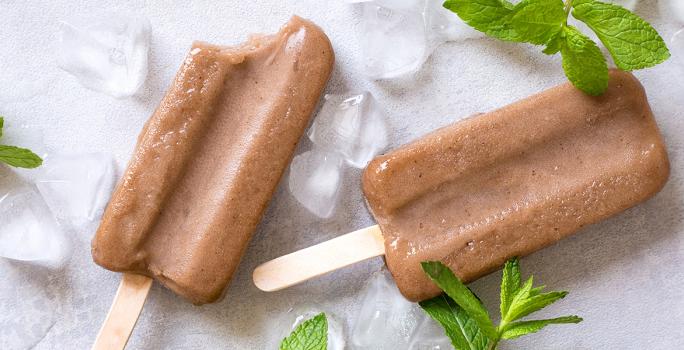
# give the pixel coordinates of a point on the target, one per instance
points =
(206, 165)
(497, 185)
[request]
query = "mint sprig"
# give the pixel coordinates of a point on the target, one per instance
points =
(466, 321)
(630, 40)
(312, 334)
(16, 156)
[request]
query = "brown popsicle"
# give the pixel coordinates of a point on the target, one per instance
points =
(499, 185)
(513, 181)
(208, 160)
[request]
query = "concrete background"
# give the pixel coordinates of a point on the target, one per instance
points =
(624, 275)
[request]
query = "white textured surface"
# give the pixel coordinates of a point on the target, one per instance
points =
(625, 274)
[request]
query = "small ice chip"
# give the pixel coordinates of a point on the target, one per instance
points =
(352, 125)
(29, 232)
(393, 41)
(315, 181)
(386, 320)
(107, 54)
(429, 335)
(77, 187)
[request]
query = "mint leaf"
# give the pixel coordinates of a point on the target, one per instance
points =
(525, 306)
(533, 21)
(487, 16)
(537, 21)
(632, 42)
(555, 43)
(461, 329)
(536, 290)
(553, 47)
(507, 4)
(583, 62)
(312, 334)
(517, 329)
(523, 292)
(19, 157)
(445, 279)
(510, 283)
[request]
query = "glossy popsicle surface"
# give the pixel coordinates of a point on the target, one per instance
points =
(512, 181)
(208, 160)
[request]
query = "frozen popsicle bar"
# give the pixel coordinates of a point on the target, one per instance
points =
(512, 181)
(208, 160)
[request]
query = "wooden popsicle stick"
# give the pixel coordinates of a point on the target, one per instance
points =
(122, 316)
(320, 259)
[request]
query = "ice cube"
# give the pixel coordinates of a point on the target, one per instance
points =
(674, 8)
(29, 232)
(429, 335)
(399, 35)
(315, 181)
(386, 320)
(394, 41)
(352, 125)
(77, 187)
(295, 316)
(107, 54)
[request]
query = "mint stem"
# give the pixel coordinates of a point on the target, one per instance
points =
(568, 7)
(493, 345)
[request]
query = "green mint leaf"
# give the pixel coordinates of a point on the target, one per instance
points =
(19, 157)
(487, 16)
(461, 329)
(553, 46)
(632, 42)
(536, 290)
(525, 306)
(445, 279)
(510, 283)
(312, 334)
(583, 62)
(524, 291)
(537, 21)
(2, 124)
(533, 21)
(517, 329)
